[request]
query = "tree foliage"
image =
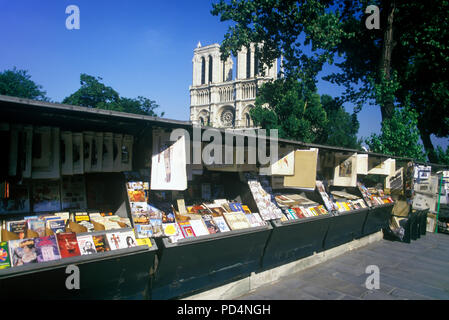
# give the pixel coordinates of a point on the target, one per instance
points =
(407, 59)
(291, 109)
(95, 94)
(18, 83)
(284, 28)
(399, 136)
(300, 114)
(342, 127)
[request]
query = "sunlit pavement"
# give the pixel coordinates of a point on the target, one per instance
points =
(419, 270)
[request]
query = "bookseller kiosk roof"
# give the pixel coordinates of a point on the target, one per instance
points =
(21, 110)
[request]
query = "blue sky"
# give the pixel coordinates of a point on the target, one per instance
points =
(137, 47)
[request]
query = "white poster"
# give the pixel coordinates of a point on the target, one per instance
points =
(168, 163)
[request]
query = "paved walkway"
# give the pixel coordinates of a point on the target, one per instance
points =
(419, 270)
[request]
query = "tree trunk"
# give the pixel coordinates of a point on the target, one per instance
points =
(385, 62)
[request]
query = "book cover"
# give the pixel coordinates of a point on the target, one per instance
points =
(101, 245)
(254, 219)
(115, 240)
(86, 244)
(198, 227)
(47, 249)
(221, 224)
(210, 224)
(81, 216)
(290, 213)
(237, 220)
(144, 242)
(56, 225)
(236, 207)
(299, 213)
(22, 252)
(169, 229)
(4, 255)
(246, 209)
(37, 225)
(18, 227)
(129, 239)
(68, 245)
(157, 227)
(177, 236)
(186, 229)
(144, 231)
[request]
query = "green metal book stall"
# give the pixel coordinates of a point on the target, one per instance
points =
(173, 229)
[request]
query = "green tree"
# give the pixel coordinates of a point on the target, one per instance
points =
(342, 127)
(411, 44)
(296, 112)
(18, 83)
(399, 136)
(305, 33)
(95, 94)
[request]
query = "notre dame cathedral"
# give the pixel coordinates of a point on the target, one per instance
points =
(217, 99)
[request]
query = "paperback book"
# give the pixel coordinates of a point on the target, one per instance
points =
(68, 245)
(186, 229)
(22, 252)
(101, 244)
(4, 255)
(47, 249)
(221, 224)
(86, 244)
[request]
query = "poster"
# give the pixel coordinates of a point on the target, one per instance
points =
(345, 171)
(166, 173)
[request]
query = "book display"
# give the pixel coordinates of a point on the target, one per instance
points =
(107, 192)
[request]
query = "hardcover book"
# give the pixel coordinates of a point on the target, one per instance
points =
(22, 252)
(86, 244)
(100, 243)
(47, 249)
(68, 245)
(4, 255)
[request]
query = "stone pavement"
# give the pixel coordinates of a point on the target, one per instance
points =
(417, 271)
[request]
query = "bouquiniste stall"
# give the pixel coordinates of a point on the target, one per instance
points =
(107, 205)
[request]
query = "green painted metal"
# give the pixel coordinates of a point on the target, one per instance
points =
(197, 264)
(377, 218)
(118, 274)
(295, 239)
(439, 198)
(345, 227)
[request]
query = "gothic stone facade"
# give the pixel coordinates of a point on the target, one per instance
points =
(218, 100)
